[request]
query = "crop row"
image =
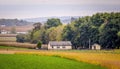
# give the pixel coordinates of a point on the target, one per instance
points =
(15, 44)
(7, 39)
(7, 35)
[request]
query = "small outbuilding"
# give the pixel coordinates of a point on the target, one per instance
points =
(96, 47)
(59, 45)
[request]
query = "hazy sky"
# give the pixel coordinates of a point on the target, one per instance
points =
(41, 8)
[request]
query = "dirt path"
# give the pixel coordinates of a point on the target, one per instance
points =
(6, 52)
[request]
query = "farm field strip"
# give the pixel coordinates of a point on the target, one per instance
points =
(15, 44)
(8, 35)
(7, 39)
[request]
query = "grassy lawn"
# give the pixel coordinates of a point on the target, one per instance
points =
(16, 61)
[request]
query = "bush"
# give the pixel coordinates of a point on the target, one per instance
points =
(39, 44)
(34, 41)
(20, 38)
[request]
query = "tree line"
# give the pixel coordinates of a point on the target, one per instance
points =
(100, 28)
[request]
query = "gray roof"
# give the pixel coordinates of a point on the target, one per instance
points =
(60, 43)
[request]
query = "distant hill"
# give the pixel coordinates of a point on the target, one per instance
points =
(31, 21)
(14, 22)
(25, 25)
(64, 19)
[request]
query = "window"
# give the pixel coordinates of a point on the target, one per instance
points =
(58, 46)
(63, 46)
(52, 47)
(94, 47)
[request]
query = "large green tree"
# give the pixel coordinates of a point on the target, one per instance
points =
(54, 22)
(101, 28)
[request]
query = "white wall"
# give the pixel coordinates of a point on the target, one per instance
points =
(3, 32)
(60, 47)
(21, 32)
(96, 47)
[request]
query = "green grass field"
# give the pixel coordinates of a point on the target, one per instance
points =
(15, 61)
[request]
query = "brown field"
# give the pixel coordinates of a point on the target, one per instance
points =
(8, 39)
(15, 44)
(8, 35)
(20, 28)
